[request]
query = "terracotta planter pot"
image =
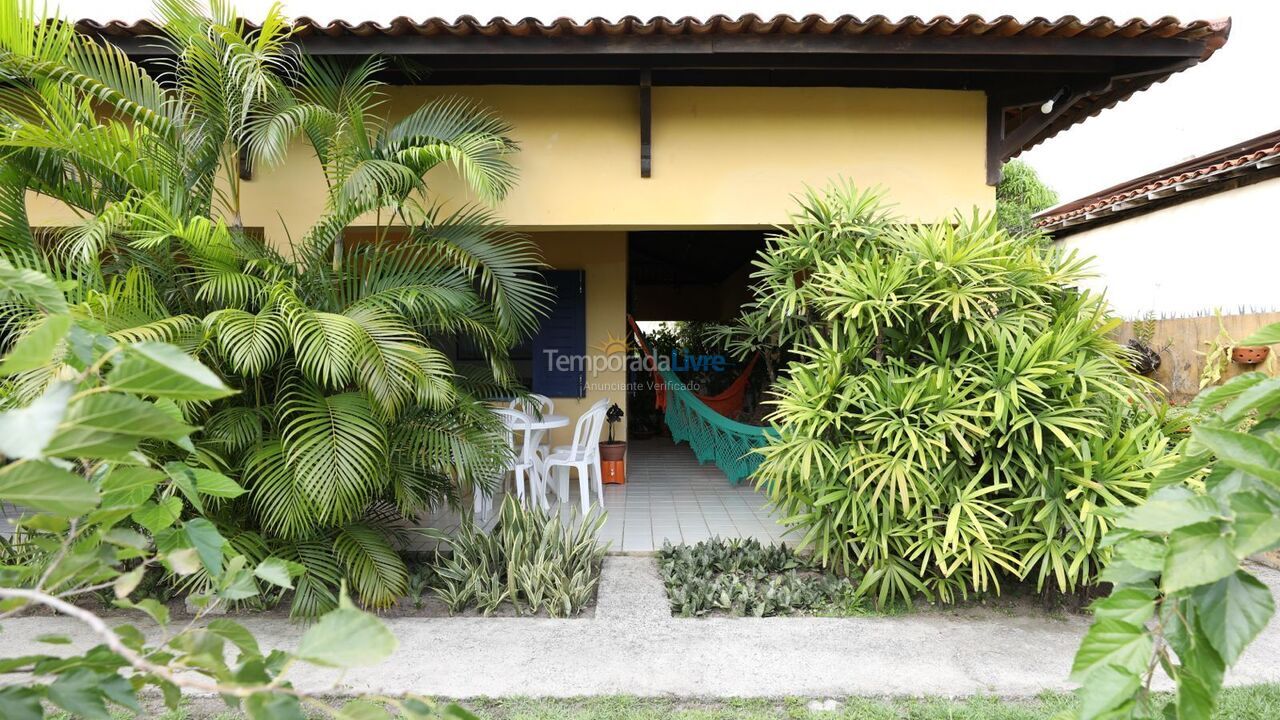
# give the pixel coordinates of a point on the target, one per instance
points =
(1249, 354)
(616, 450)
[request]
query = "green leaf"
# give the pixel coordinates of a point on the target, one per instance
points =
(1199, 679)
(25, 432)
(1134, 606)
(1266, 335)
(1170, 508)
(1112, 642)
(279, 572)
(1233, 611)
(208, 543)
(1143, 553)
(273, 706)
(238, 635)
(1198, 554)
(1263, 397)
(53, 639)
(42, 485)
(1245, 452)
(33, 286)
(112, 424)
(77, 692)
(118, 690)
(150, 606)
(129, 485)
(183, 561)
(160, 370)
(1257, 523)
(205, 481)
(37, 348)
(20, 703)
(1105, 689)
(346, 638)
(127, 537)
(156, 516)
(237, 585)
(128, 582)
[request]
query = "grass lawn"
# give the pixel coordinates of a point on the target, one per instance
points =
(1254, 702)
(1257, 702)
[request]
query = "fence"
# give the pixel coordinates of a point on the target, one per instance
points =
(1181, 342)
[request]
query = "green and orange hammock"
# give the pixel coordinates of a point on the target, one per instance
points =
(706, 422)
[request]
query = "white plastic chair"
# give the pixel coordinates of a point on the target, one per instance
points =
(534, 404)
(583, 455)
(538, 406)
(523, 463)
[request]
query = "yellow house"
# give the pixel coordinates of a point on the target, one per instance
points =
(654, 155)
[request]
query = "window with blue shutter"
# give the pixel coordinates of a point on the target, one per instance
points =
(560, 347)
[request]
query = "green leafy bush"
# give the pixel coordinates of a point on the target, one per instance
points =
(530, 560)
(100, 517)
(1182, 600)
(351, 417)
(1020, 195)
(743, 577)
(957, 413)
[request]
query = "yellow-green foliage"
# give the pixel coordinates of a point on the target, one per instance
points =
(956, 413)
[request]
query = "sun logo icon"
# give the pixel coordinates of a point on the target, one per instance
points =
(612, 345)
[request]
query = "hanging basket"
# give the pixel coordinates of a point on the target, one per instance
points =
(1249, 354)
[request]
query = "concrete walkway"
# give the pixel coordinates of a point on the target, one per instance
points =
(633, 646)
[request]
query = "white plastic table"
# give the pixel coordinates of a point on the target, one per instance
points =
(537, 429)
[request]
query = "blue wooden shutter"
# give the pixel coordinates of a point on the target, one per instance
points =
(564, 333)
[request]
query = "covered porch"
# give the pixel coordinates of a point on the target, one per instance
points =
(668, 497)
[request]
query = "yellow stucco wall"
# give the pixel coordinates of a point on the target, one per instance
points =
(731, 157)
(603, 255)
(722, 157)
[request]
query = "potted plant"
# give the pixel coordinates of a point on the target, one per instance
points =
(1143, 358)
(613, 449)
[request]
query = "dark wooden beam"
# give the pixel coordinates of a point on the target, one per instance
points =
(995, 138)
(646, 123)
(1013, 139)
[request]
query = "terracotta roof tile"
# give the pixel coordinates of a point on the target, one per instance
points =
(1229, 162)
(911, 25)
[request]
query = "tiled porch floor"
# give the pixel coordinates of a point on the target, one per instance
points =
(668, 496)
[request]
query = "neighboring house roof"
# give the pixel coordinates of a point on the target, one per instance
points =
(1231, 167)
(1086, 65)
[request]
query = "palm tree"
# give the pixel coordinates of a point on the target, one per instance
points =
(350, 417)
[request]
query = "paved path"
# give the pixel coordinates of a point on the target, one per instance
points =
(633, 646)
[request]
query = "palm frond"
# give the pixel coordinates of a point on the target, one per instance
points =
(336, 447)
(373, 568)
(250, 343)
(471, 139)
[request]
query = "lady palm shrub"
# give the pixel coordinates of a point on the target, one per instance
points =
(348, 417)
(956, 414)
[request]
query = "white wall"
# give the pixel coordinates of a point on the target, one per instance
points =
(1220, 251)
